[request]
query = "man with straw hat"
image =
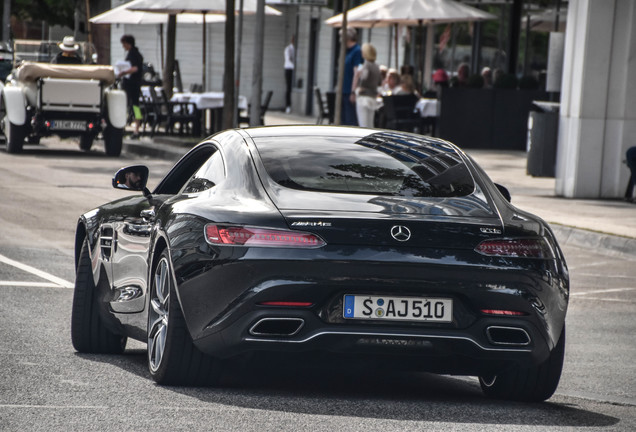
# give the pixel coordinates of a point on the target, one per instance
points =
(68, 53)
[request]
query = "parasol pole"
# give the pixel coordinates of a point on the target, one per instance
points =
(203, 83)
(397, 59)
(428, 64)
(238, 60)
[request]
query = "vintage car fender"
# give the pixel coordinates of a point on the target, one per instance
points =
(14, 101)
(117, 108)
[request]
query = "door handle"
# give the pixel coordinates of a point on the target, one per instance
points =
(148, 214)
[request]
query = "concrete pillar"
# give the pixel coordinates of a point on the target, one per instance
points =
(598, 110)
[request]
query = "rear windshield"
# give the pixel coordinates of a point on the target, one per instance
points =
(383, 163)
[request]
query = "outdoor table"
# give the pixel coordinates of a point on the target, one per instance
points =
(428, 107)
(209, 102)
(429, 111)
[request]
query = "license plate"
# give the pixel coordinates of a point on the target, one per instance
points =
(68, 125)
(398, 308)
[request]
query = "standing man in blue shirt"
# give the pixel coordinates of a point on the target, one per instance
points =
(353, 59)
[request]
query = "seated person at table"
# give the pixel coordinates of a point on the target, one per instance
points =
(392, 83)
(486, 74)
(461, 79)
(407, 86)
(440, 81)
(384, 71)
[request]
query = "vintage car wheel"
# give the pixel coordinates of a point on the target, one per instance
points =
(113, 138)
(172, 357)
(532, 384)
(15, 136)
(86, 141)
(88, 332)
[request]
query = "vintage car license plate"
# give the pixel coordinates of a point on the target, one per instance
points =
(398, 308)
(73, 125)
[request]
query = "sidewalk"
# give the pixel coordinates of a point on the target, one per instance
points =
(608, 225)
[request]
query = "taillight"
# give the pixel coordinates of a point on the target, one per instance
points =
(286, 303)
(260, 237)
(502, 312)
(516, 248)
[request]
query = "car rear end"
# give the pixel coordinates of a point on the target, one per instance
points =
(68, 107)
(391, 247)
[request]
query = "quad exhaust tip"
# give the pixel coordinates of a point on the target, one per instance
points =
(277, 327)
(510, 336)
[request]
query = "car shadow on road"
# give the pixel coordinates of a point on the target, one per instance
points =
(366, 392)
(55, 147)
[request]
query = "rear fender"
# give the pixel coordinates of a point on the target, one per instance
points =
(117, 108)
(14, 104)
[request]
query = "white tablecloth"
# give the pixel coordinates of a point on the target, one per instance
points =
(207, 100)
(428, 107)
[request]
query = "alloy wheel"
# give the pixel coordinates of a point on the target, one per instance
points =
(158, 314)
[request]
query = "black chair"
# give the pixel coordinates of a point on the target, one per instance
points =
(244, 118)
(400, 112)
(323, 108)
(162, 112)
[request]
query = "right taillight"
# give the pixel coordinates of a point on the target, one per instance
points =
(516, 248)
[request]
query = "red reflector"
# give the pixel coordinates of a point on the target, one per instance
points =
(284, 303)
(502, 312)
(260, 237)
(48, 124)
(91, 126)
(521, 248)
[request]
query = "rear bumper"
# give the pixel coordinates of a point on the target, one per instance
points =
(222, 304)
(467, 351)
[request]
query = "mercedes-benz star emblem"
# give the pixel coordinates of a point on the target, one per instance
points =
(400, 233)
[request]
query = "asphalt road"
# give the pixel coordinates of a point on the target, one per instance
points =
(45, 385)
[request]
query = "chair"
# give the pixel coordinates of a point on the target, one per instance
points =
(245, 118)
(323, 108)
(400, 112)
(161, 111)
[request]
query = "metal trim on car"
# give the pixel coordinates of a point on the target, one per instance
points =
(336, 333)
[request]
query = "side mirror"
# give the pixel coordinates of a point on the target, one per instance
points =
(133, 178)
(504, 191)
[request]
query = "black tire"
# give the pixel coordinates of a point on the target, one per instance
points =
(532, 384)
(113, 138)
(173, 359)
(88, 332)
(86, 141)
(15, 136)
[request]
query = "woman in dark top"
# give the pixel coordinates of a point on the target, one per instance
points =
(132, 78)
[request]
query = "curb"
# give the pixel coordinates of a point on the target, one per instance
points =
(607, 244)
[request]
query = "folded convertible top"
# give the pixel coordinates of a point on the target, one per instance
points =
(32, 71)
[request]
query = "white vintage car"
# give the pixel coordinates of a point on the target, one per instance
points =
(42, 99)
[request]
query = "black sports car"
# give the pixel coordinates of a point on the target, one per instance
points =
(359, 242)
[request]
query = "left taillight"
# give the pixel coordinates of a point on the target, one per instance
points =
(224, 235)
(516, 248)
